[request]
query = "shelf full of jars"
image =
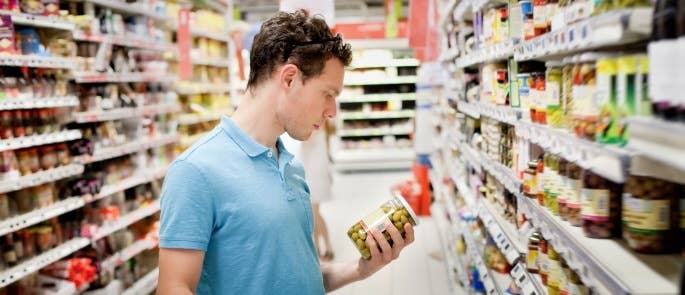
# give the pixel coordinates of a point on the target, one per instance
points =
(89, 120)
(558, 155)
(375, 121)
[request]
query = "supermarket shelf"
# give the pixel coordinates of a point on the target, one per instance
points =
(356, 98)
(126, 220)
(485, 274)
(94, 77)
(128, 148)
(34, 264)
(128, 41)
(127, 253)
(502, 232)
(212, 62)
(377, 115)
(25, 220)
(187, 141)
(38, 103)
(373, 159)
(613, 28)
(373, 132)
(383, 81)
(610, 162)
(140, 177)
(38, 140)
(655, 139)
(405, 62)
(606, 265)
(124, 113)
(490, 53)
(529, 283)
(145, 285)
(135, 9)
(503, 114)
(40, 177)
(199, 88)
(194, 118)
(34, 61)
(503, 174)
(40, 21)
(210, 35)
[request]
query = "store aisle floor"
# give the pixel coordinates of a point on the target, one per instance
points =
(415, 272)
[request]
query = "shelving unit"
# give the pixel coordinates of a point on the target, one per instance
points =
(145, 285)
(470, 125)
(38, 103)
(39, 139)
(39, 21)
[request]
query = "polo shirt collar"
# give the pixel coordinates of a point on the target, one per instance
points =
(250, 146)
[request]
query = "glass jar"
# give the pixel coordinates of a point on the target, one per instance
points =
(543, 261)
(62, 154)
(575, 285)
(532, 256)
(18, 125)
(540, 16)
(394, 212)
(601, 206)
(48, 157)
(574, 185)
(524, 84)
(4, 207)
(605, 100)
(650, 214)
(541, 108)
(587, 113)
(563, 277)
(553, 82)
(566, 88)
(44, 238)
(554, 271)
(6, 125)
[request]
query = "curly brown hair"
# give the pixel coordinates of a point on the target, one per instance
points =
(296, 38)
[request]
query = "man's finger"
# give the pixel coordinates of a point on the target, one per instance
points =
(397, 241)
(408, 234)
(373, 247)
(386, 250)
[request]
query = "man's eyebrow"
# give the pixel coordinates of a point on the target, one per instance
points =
(335, 89)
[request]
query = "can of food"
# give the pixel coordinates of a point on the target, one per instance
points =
(394, 212)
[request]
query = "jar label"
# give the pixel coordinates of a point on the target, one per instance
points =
(543, 263)
(595, 204)
(532, 259)
(540, 16)
(552, 93)
(647, 215)
(554, 269)
(378, 219)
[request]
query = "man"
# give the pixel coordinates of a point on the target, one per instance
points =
(236, 215)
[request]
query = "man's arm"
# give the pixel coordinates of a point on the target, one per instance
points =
(179, 271)
(336, 275)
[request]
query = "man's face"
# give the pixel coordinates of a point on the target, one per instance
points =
(308, 105)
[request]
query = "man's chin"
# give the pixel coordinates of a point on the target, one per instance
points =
(301, 136)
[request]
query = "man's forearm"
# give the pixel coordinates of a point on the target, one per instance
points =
(336, 275)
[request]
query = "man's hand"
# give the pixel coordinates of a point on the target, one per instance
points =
(386, 254)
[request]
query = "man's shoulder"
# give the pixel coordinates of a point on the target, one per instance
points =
(214, 148)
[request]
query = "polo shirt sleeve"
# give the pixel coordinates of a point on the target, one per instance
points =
(187, 208)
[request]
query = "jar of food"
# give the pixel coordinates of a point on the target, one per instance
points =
(62, 154)
(605, 100)
(18, 125)
(563, 278)
(575, 285)
(540, 180)
(587, 113)
(532, 256)
(543, 261)
(540, 16)
(554, 271)
(34, 160)
(24, 158)
(524, 84)
(529, 185)
(528, 19)
(573, 186)
(551, 201)
(4, 207)
(553, 81)
(650, 214)
(394, 212)
(566, 87)
(48, 157)
(29, 122)
(541, 107)
(44, 238)
(601, 206)
(6, 125)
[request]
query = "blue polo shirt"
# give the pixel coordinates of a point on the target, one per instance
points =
(229, 196)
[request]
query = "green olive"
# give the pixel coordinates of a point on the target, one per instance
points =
(355, 236)
(396, 216)
(357, 227)
(404, 219)
(360, 244)
(366, 253)
(362, 236)
(399, 226)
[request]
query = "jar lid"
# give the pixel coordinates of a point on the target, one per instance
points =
(406, 206)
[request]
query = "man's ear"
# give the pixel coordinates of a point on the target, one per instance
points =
(288, 75)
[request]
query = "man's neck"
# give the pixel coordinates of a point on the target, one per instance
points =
(256, 116)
